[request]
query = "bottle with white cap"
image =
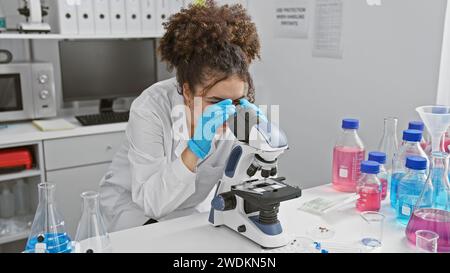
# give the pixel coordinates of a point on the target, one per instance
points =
(7, 204)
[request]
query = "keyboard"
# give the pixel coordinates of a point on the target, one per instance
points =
(103, 118)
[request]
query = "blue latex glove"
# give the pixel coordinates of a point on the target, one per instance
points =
(248, 105)
(211, 120)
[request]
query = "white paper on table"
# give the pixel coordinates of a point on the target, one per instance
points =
(291, 19)
(328, 29)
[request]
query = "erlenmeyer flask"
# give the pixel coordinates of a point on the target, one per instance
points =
(92, 236)
(48, 225)
(432, 210)
(389, 142)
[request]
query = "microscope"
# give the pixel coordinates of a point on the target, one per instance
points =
(34, 12)
(248, 197)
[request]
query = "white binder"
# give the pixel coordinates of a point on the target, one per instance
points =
(63, 16)
(117, 15)
(85, 13)
(133, 14)
(163, 13)
(102, 17)
(148, 16)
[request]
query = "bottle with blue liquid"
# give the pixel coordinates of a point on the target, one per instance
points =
(410, 187)
(48, 228)
(409, 147)
(420, 126)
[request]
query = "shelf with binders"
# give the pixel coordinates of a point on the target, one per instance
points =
(53, 36)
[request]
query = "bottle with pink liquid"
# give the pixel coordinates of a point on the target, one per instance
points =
(383, 175)
(347, 156)
(369, 187)
(432, 210)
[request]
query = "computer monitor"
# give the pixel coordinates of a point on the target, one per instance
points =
(106, 69)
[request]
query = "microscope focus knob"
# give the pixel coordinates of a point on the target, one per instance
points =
(224, 201)
(242, 229)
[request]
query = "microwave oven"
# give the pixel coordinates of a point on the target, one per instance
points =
(27, 91)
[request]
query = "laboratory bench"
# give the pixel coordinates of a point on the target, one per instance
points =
(75, 160)
(195, 234)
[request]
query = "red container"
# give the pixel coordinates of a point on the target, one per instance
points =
(15, 159)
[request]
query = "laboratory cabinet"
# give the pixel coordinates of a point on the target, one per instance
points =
(18, 196)
(75, 161)
(79, 151)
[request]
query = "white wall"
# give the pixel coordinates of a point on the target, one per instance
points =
(444, 72)
(390, 66)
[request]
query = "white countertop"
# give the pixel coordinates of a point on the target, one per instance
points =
(195, 234)
(27, 132)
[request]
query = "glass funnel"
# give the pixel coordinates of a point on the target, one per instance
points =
(437, 120)
(48, 224)
(389, 141)
(92, 236)
(432, 210)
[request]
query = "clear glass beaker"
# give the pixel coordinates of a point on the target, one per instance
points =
(432, 210)
(48, 224)
(92, 236)
(372, 231)
(427, 241)
(389, 141)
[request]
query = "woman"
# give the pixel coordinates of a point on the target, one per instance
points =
(171, 159)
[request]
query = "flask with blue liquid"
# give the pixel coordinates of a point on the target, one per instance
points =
(48, 227)
(410, 187)
(409, 147)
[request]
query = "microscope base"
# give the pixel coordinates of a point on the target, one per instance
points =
(34, 27)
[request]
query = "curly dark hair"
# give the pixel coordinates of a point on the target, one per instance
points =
(210, 41)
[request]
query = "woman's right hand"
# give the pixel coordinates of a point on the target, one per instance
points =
(211, 120)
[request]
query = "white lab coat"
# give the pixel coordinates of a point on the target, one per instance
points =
(147, 178)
